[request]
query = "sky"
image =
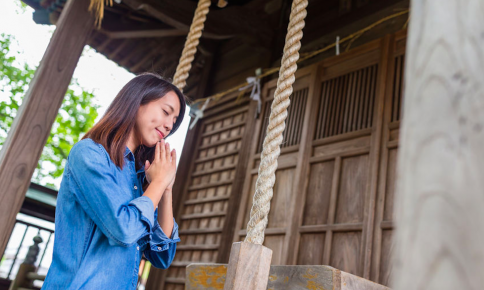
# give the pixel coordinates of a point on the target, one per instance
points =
(94, 72)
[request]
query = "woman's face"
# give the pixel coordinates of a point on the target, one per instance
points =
(155, 120)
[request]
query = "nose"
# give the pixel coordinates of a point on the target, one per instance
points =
(168, 126)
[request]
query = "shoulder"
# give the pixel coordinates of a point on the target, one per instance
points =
(88, 151)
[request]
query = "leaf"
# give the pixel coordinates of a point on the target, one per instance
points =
(76, 114)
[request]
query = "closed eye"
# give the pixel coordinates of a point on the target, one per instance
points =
(166, 113)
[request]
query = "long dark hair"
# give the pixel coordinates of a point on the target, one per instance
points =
(112, 131)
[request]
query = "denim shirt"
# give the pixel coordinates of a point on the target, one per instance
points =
(103, 224)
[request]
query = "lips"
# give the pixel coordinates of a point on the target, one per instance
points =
(161, 135)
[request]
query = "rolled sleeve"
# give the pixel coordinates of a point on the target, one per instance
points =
(161, 249)
(160, 241)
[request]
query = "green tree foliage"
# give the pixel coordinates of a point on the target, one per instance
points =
(75, 117)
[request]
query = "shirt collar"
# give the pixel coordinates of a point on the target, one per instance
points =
(127, 152)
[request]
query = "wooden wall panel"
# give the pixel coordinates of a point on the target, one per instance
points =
(333, 224)
(282, 201)
(345, 254)
(352, 189)
(334, 191)
(317, 201)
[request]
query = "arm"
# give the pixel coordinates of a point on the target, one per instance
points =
(165, 218)
(122, 219)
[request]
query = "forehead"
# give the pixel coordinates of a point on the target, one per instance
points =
(170, 99)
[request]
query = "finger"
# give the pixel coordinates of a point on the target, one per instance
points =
(162, 150)
(147, 165)
(168, 151)
(173, 156)
(157, 151)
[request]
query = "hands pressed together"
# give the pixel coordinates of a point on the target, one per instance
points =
(161, 175)
(161, 172)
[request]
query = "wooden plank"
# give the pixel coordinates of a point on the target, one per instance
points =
(237, 186)
(223, 129)
(331, 227)
(209, 185)
(382, 177)
(213, 277)
(346, 153)
(152, 33)
(441, 161)
(249, 266)
(207, 199)
(213, 170)
(203, 215)
(342, 137)
(374, 157)
(221, 142)
(332, 209)
(31, 127)
(298, 183)
(210, 158)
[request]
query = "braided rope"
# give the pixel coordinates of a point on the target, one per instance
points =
(271, 147)
(193, 38)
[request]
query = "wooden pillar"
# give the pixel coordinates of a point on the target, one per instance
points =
(249, 266)
(31, 127)
(440, 188)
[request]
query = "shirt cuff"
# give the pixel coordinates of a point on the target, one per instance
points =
(160, 241)
(145, 207)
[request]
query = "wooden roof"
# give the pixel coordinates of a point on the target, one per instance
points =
(148, 35)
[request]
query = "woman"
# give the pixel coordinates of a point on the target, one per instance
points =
(115, 199)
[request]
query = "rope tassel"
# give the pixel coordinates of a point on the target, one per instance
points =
(97, 7)
(271, 146)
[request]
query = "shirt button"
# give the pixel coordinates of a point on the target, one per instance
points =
(137, 248)
(159, 248)
(135, 187)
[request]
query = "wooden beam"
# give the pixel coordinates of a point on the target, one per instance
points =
(31, 127)
(301, 277)
(151, 33)
(439, 199)
(220, 24)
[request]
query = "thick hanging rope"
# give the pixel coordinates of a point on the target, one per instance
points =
(193, 38)
(271, 147)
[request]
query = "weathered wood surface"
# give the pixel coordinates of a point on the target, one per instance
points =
(213, 276)
(439, 201)
(31, 127)
(249, 266)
